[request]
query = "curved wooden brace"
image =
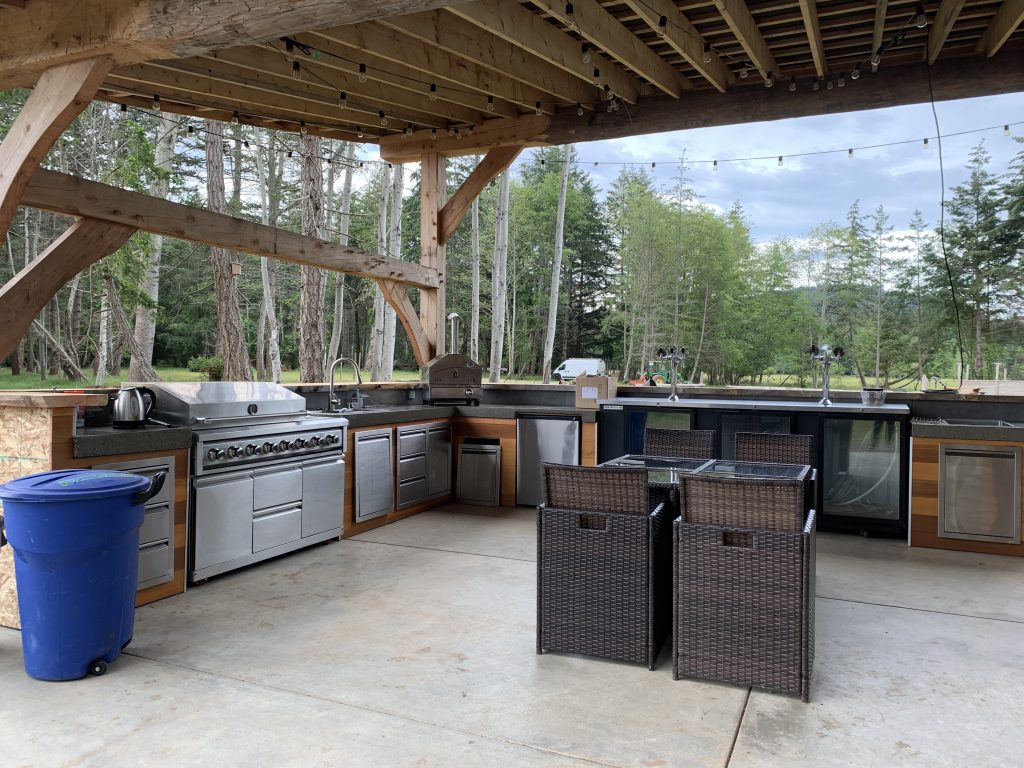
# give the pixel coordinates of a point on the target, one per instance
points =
(494, 162)
(58, 98)
(398, 297)
(23, 297)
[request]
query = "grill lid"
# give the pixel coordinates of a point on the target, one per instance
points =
(189, 403)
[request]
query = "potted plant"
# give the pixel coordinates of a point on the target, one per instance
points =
(212, 366)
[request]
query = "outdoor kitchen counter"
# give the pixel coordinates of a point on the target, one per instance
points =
(107, 441)
(760, 405)
(967, 432)
(382, 415)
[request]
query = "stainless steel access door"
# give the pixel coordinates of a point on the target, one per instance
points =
(979, 493)
(223, 519)
(539, 440)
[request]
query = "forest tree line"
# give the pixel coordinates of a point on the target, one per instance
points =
(544, 267)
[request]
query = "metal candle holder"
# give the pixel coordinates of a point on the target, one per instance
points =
(825, 355)
(673, 356)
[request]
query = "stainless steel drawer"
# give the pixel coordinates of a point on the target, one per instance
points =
(412, 492)
(155, 564)
(413, 468)
(156, 525)
(412, 441)
(276, 487)
(276, 528)
(166, 492)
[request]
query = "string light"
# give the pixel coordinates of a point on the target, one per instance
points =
(579, 109)
(537, 109)
(382, 117)
(920, 19)
(458, 134)
(840, 81)
(849, 152)
(433, 134)
(585, 53)
(653, 166)
(451, 131)
(408, 130)
(855, 72)
(828, 84)
(289, 154)
(490, 103)
(743, 73)
(769, 80)
(245, 143)
(191, 129)
(714, 165)
(707, 53)
(296, 70)
(124, 107)
(792, 85)
(433, 91)
(597, 76)
(926, 143)
(302, 127)
(289, 49)
(362, 73)
(234, 117)
(780, 161)
(662, 26)
(1006, 130)
(359, 132)
(816, 85)
(876, 59)
(156, 101)
(570, 17)
(343, 100)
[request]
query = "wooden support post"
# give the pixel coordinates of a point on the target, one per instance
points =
(26, 294)
(398, 297)
(496, 161)
(59, 97)
(433, 191)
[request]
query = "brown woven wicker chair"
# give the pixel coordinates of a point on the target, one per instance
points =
(743, 596)
(680, 443)
(775, 449)
(603, 552)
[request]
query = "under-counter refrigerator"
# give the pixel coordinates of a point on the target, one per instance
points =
(543, 438)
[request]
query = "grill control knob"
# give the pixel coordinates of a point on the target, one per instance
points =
(251, 448)
(232, 451)
(299, 443)
(220, 455)
(268, 447)
(282, 446)
(212, 454)
(331, 439)
(314, 440)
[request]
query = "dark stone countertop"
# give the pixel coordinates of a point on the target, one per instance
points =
(107, 441)
(965, 432)
(372, 417)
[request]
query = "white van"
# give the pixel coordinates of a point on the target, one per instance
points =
(579, 366)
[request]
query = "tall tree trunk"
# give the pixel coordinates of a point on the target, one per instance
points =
(272, 353)
(103, 342)
(395, 247)
(344, 221)
(377, 338)
(230, 344)
(498, 286)
(146, 372)
(16, 357)
(556, 267)
(474, 313)
(312, 281)
(145, 314)
(700, 343)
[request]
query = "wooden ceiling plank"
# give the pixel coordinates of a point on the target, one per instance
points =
(432, 64)
(1003, 24)
(528, 129)
(458, 36)
(684, 38)
(602, 29)
(61, 193)
(743, 26)
(809, 11)
(512, 22)
(941, 26)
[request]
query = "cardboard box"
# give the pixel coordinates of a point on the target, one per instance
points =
(590, 389)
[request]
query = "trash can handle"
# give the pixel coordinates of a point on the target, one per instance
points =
(155, 484)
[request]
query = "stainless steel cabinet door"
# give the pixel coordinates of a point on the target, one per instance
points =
(540, 440)
(439, 460)
(223, 519)
(323, 495)
(375, 485)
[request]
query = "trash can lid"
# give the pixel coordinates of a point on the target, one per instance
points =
(72, 485)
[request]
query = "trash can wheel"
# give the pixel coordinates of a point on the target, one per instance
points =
(98, 667)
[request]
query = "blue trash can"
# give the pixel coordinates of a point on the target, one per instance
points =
(75, 536)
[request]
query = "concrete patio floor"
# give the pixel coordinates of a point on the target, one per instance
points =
(413, 645)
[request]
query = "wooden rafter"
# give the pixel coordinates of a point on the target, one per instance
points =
(512, 22)
(397, 297)
(809, 12)
(60, 193)
(527, 129)
(1003, 24)
(461, 38)
(494, 162)
(13, 3)
(743, 26)
(24, 296)
(684, 38)
(941, 26)
(59, 97)
(602, 29)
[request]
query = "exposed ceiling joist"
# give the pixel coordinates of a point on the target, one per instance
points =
(743, 26)
(809, 11)
(512, 22)
(595, 24)
(684, 39)
(1003, 24)
(878, 32)
(941, 26)
(461, 38)
(528, 129)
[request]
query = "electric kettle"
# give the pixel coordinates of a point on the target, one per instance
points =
(131, 407)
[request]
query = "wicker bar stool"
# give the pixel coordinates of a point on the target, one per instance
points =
(680, 443)
(603, 552)
(743, 584)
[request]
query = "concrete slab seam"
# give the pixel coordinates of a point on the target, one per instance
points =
(919, 610)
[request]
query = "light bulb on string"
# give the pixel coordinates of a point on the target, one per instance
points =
(829, 84)
(451, 131)
(816, 84)
(343, 100)
(840, 81)
(408, 130)
(537, 110)
(780, 161)
(1006, 130)
(458, 134)
(245, 143)
(156, 101)
(382, 117)
(433, 134)
(855, 72)
(662, 26)
(289, 50)
(876, 59)
(302, 127)
(490, 103)
(707, 53)
(792, 85)
(920, 19)
(849, 152)
(597, 76)
(359, 132)
(362, 73)
(743, 73)
(653, 166)
(579, 109)
(769, 80)
(714, 165)
(296, 70)
(585, 53)
(433, 91)
(290, 153)
(234, 117)
(925, 143)
(570, 17)
(124, 107)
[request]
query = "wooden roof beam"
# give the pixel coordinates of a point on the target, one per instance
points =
(528, 129)
(60, 193)
(1003, 24)
(451, 215)
(941, 26)
(684, 38)
(809, 11)
(602, 29)
(397, 52)
(512, 22)
(878, 32)
(743, 26)
(461, 38)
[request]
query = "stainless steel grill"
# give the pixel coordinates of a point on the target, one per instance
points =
(452, 378)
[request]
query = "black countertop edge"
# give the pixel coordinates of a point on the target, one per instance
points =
(106, 441)
(960, 432)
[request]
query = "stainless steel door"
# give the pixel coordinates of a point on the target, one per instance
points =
(223, 519)
(439, 460)
(539, 440)
(375, 485)
(979, 493)
(323, 495)
(479, 474)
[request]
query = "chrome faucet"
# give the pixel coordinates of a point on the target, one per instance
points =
(332, 402)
